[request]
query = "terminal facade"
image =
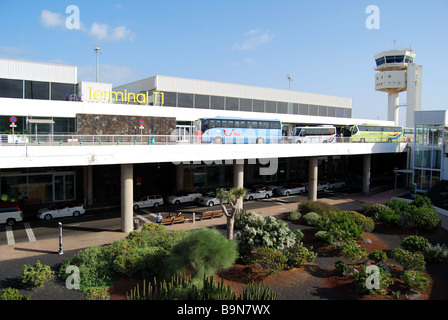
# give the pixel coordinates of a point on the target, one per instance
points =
(47, 99)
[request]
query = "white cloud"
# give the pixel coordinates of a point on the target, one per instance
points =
(102, 32)
(256, 38)
(51, 19)
(98, 31)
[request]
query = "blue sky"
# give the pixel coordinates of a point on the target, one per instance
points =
(324, 45)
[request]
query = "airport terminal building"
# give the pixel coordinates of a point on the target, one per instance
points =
(43, 102)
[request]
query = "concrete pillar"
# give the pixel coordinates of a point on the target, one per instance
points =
(87, 184)
(127, 197)
(238, 177)
(366, 173)
(312, 179)
(180, 177)
(392, 113)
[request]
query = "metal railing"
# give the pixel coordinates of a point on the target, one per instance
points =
(98, 140)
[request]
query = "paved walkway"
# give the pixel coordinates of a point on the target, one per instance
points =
(29, 249)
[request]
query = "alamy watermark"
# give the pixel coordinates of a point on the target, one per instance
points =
(373, 280)
(373, 20)
(73, 20)
(73, 280)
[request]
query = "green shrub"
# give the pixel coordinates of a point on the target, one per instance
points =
(435, 253)
(318, 207)
(422, 202)
(361, 278)
(36, 275)
(366, 223)
(341, 267)
(297, 255)
(265, 232)
(97, 293)
(202, 252)
(323, 236)
(414, 243)
(378, 256)
(12, 294)
(398, 205)
(415, 280)
(374, 211)
(258, 291)
(311, 219)
(353, 252)
(294, 215)
(341, 220)
(426, 219)
(269, 260)
(409, 260)
(390, 217)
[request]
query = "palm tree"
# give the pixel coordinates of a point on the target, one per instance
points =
(234, 197)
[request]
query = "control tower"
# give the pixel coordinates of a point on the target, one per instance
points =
(397, 72)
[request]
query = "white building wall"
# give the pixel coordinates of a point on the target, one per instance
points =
(37, 71)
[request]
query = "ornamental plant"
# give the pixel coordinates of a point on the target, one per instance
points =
(353, 252)
(409, 260)
(378, 256)
(36, 275)
(311, 219)
(416, 281)
(269, 260)
(414, 243)
(361, 278)
(298, 255)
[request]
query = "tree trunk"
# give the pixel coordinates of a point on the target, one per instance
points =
(230, 223)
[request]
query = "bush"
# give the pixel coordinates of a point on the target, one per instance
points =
(353, 252)
(390, 217)
(202, 252)
(422, 202)
(415, 280)
(398, 205)
(318, 207)
(269, 260)
(323, 236)
(361, 278)
(374, 211)
(12, 294)
(265, 232)
(341, 220)
(414, 243)
(36, 275)
(409, 260)
(294, 215)
(426, 219)
(378, 256)
(311, 219)
(97, 293)
(298, 255)
(435, 253)
(341, 267)
(366, 223)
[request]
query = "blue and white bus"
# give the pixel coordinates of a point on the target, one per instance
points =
(238, 130)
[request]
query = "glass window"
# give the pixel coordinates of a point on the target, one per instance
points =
(217, 103)
(303, 109)
(169, 99)
(282, 107)
(231, 103)
(62, 91)
(340, 112)
(331, 112)
(274, 125)
(240, 124)
(271, 106)
(436, 159)
(252, 124)
(11, 88)
(228, 124)
(37, 90)
(263, 125)
(323, 111)
(245, 104)
(313, 110)
(185, 100)
(201, 101)
(258, 106)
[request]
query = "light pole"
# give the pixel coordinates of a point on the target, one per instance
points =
(288, 76)
(98, 52)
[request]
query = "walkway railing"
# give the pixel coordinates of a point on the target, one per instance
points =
(98, 140)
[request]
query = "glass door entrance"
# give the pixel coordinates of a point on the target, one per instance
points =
(64, 187)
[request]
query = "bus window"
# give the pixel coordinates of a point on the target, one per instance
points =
(274, 125)
(263, 125)
(252, 124)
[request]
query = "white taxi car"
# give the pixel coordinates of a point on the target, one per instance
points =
(61, 209)
(149, 201)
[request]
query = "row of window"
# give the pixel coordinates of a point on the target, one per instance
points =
(198, 101)
(11, 88)
(394, 59)
(210, 124)
(61, 125)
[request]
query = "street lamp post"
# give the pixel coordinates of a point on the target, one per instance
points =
(98, 52)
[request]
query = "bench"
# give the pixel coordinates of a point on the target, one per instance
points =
(211, 214)
(173, 220)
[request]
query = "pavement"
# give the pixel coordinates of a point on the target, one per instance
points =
(51, 246)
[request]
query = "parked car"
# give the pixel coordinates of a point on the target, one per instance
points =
(292, 188)
(61, 209)
(322, 186)
(209, 200)
(148, 201)
(184, 196)
(10, 213)
(258, 194)
(336, 184)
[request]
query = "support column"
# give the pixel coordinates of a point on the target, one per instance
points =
(87, 185)
(238, 177)
(392, 113)
(366, 173)
(312, 179)
(180, 176)
(127, 195)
